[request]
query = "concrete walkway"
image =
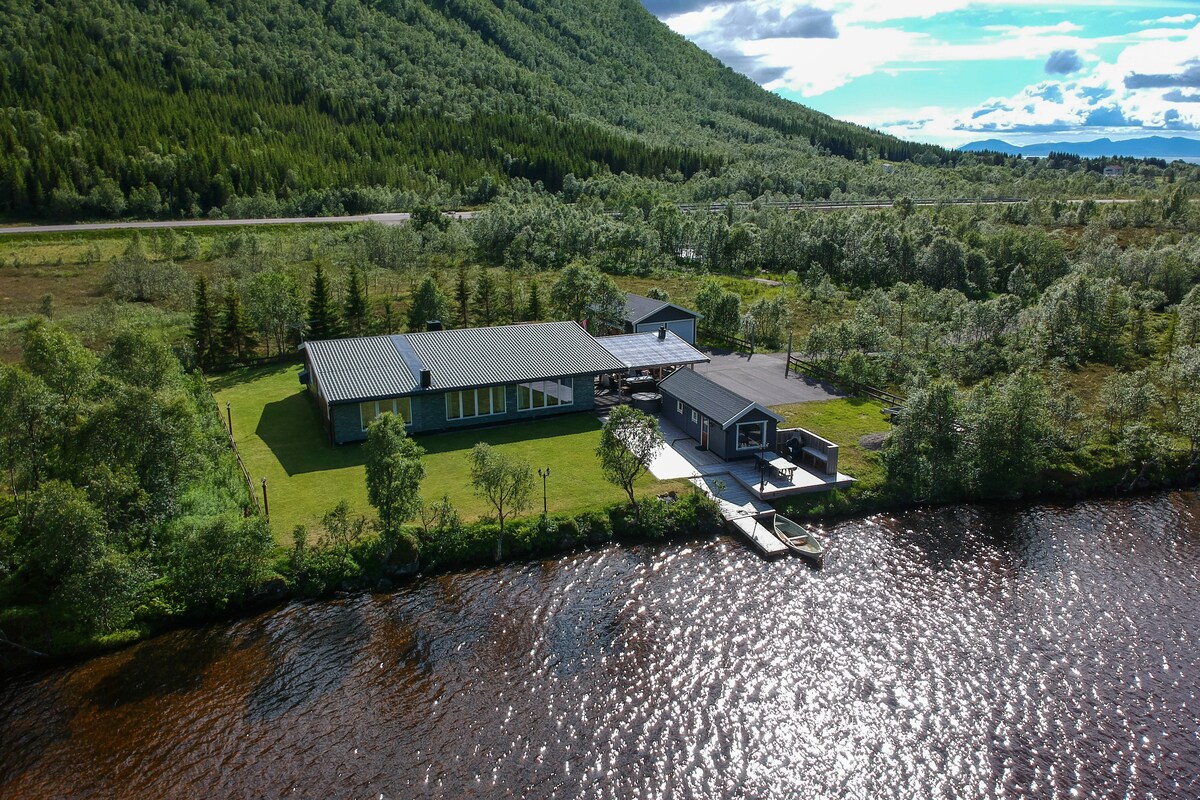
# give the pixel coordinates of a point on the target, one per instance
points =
(761, 378)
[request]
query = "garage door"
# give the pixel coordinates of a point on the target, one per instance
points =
(683, 328)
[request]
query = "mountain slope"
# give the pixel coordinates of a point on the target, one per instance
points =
(1144, 147)
(149, 106)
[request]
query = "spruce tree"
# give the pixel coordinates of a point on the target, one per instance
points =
(462, 293)
(356, 303)
(235, 339)
(533, 311)
(485, 299)
(323, 322)
(204, 323)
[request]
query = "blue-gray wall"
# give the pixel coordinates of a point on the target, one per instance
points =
(429, 412)
(721, 442)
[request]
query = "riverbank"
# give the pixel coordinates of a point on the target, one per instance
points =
(938, 651)
(372, 563)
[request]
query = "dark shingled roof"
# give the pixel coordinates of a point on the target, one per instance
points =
(387, 366)
(646, 350)
(711, 399)
(637, 308)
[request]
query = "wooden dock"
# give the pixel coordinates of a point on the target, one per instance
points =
(744, 513)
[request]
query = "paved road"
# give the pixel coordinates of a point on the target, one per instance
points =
(402, 218)
(386, 219)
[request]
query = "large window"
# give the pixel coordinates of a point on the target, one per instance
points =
(751, 435)
(545, 394)
(475, 403)
(400, 406)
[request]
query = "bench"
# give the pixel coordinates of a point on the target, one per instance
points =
(819, 457)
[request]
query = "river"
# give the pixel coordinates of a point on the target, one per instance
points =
(1046, 652)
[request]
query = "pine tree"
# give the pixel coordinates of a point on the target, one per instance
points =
(510, 300)
(323, 322)
(356, 303)
(533, 311)
(204, 323)
(235, 339)
(462, 293)
(485, 298)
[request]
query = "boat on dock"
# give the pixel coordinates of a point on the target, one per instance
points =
(799, 540)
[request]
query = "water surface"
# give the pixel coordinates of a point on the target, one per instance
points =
(1049, 652)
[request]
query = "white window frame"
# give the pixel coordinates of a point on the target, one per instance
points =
(393, 405)
(471, 396)
(534, 389)
(762, 426)
(679, 407)
(695, 416)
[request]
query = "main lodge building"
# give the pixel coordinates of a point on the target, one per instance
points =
(447, 379)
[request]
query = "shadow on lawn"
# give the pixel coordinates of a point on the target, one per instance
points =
(292, 429)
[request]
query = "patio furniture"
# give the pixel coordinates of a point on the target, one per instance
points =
(776, 464)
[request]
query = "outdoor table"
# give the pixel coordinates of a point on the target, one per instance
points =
(778, 464)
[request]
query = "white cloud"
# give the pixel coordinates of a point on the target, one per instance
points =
(1182, 19)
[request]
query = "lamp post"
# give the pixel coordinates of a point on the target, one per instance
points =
(543, 474)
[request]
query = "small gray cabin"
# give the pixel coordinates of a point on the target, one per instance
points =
(644, 314)
(441, 380)
(719, 419)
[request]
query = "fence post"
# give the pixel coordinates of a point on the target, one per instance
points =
(266, 505)
(787, 365)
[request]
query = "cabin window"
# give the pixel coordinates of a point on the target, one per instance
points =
(545, 394)
(679, 407)
(370, 410)
(695, 416)
(470, 403)
(751, 435)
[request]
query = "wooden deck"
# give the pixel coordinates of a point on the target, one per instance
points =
(744, 514)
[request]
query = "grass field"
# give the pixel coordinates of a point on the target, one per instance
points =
(281, 438)
(843, 422)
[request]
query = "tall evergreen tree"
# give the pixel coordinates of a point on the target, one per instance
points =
(533, 310)
(355, 304)
(485, 298)
(510, 299)
(462, 294)
(204, 323)
(323, 322)
(234, 337)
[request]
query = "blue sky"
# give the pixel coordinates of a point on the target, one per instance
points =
(955, 71)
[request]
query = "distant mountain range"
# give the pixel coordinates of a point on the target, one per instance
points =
(1147, 147)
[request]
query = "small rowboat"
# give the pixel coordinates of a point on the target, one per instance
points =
(799, 539)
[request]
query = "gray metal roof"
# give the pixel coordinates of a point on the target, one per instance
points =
(510, 353)
(359, 369)
(637, 307)
(646, 350)
(709, 398)
(387, 366)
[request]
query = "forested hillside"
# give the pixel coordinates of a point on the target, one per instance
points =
(143, 108)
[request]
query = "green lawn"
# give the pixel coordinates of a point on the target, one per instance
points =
(843, 421)
(280, 436)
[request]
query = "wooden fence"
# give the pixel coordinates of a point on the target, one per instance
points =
(223, 414)
(803, 367)
(724, 339)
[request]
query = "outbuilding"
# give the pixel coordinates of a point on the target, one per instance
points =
(719, 419)
(644, 314)
(446, 379)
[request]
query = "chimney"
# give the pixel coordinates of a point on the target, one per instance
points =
(662, 332)
(426, 379)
